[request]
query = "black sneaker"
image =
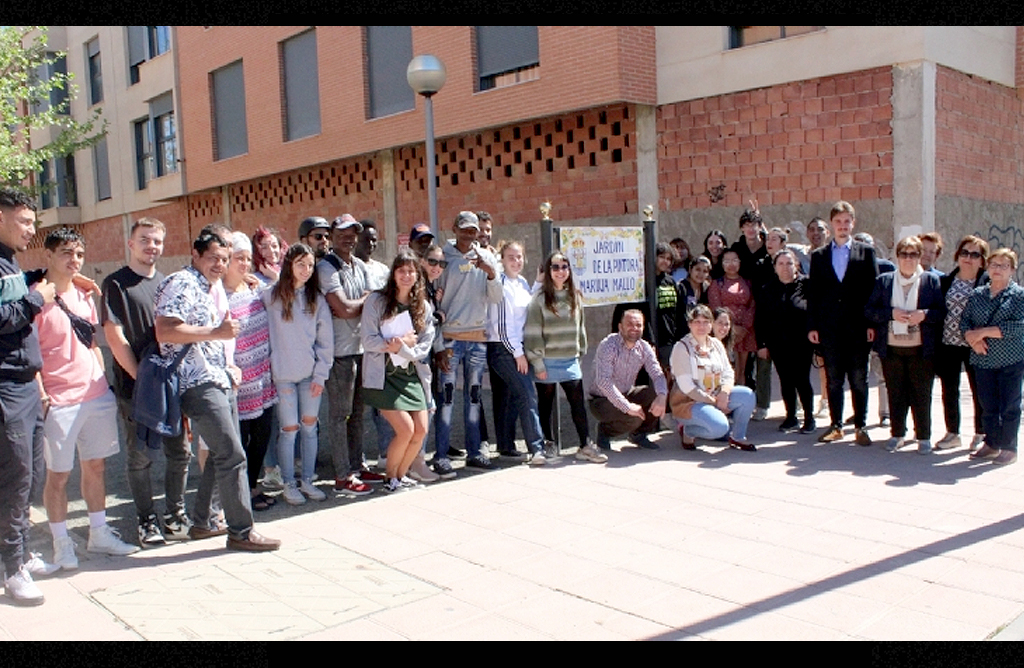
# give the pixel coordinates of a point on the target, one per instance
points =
(641, 440)
(443, 468)
(455, 453)
(480, 462)
(150, 533)
(789, 425)
(808, 427)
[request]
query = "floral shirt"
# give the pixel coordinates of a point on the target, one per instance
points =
(252, 353)
(185, 296)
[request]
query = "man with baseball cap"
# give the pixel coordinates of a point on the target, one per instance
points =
(420, 238)
(345, 283)
(315, 232)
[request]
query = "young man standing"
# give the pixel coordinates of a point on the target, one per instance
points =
(129, 295)
(841, 281)
(21, 455)
(315, 232)
(81, 411)
(345, 284)
(186, 316)
(470, 282)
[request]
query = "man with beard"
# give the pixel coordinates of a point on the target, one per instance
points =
(619, 406)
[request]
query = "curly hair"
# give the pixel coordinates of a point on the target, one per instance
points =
(417, 295)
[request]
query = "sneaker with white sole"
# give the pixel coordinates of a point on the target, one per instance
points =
(538, 459)
(22, 589)
(64, 553)
(409, 483)
(311, 492)
(822, 408)
(106, 540)
(176, 526)
(591, 453)
(36, 567)
(443, 468)
(759, 414)
(948, 442)
(292, 495)
(391, 486)
(924, 447)
(272, 480)
(150, 533)
(419, 471)
(976, 442)
(895, 444)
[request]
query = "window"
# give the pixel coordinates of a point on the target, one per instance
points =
(156, 142)
(506, 55)
(57, 183)
(101, 166)
(300, 87)
(92, 52)
(388, 52)
(143, 153)
(227, 93)
(145, 43)
(58, 97)
(746, 35)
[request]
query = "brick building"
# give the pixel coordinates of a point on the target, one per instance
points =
(919, 127)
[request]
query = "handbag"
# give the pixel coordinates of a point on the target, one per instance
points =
(156, 400)
(84, 330)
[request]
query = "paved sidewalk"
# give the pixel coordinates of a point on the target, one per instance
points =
(798, 541)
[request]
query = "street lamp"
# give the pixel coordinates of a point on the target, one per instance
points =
(426, 76)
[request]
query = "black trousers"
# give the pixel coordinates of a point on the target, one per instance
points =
(909, 376)
(577, 407)
(255, 434)
(613, 422)
(847, 360)
(793, 364)
(21, 466)
(949, 361)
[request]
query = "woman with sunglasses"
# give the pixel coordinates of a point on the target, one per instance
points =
(907, 309)
(555, 340)
(993, 325)
(954, 354)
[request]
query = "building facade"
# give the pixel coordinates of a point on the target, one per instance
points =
(919, 127)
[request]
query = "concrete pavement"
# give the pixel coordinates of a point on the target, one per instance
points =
(798, 541)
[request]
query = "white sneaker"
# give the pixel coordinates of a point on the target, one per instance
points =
(538, 459)
(822, 408)
(948, 442)
(310, 492)
(420, 472)
(272, 479)
(39, 568)
(106, 540)
(591, 453)
(64, 553)
(976, 442)
(22, 589)
(292, 495)
(895, 444)
(759, 414)
(409, 483)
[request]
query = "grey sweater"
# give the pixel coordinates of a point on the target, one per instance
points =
(302, 347)
(375, 357)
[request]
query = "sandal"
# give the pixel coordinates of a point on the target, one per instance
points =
(262, 502)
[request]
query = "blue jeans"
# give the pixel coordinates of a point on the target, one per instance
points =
(296, 402)
(521, 398)
(472, 357)
(709, 423)
(1000, 393)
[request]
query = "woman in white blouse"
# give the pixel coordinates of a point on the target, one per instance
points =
(705, 393)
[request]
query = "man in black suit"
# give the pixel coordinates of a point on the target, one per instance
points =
(841, 280)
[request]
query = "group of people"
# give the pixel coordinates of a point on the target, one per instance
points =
(837, 302)
(258, 329)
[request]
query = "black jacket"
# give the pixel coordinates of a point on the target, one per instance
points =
(929, 299)
(837, 307)
(20, 357)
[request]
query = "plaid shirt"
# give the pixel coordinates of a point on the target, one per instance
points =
(1005, 311)
(616, 367)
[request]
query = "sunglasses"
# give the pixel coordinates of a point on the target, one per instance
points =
(433, 262)
(319, 236)
(974, 255)
(559, 267)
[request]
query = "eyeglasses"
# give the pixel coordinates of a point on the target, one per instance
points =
(559, 267)
(908, 256)
(434, 262)
(974, 255)
(318, 236)
(1000, 266)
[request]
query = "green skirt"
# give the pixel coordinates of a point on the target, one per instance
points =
(402, 391)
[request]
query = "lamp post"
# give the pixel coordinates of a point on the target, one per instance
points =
(426, 75)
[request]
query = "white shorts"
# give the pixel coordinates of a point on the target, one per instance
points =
(91, 428)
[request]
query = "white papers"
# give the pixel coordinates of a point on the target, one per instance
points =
(397, 327)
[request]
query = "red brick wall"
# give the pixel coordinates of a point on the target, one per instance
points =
(817, 140)
(580, 67)
(979, 140)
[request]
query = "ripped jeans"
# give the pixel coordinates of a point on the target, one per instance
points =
(472, 357)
